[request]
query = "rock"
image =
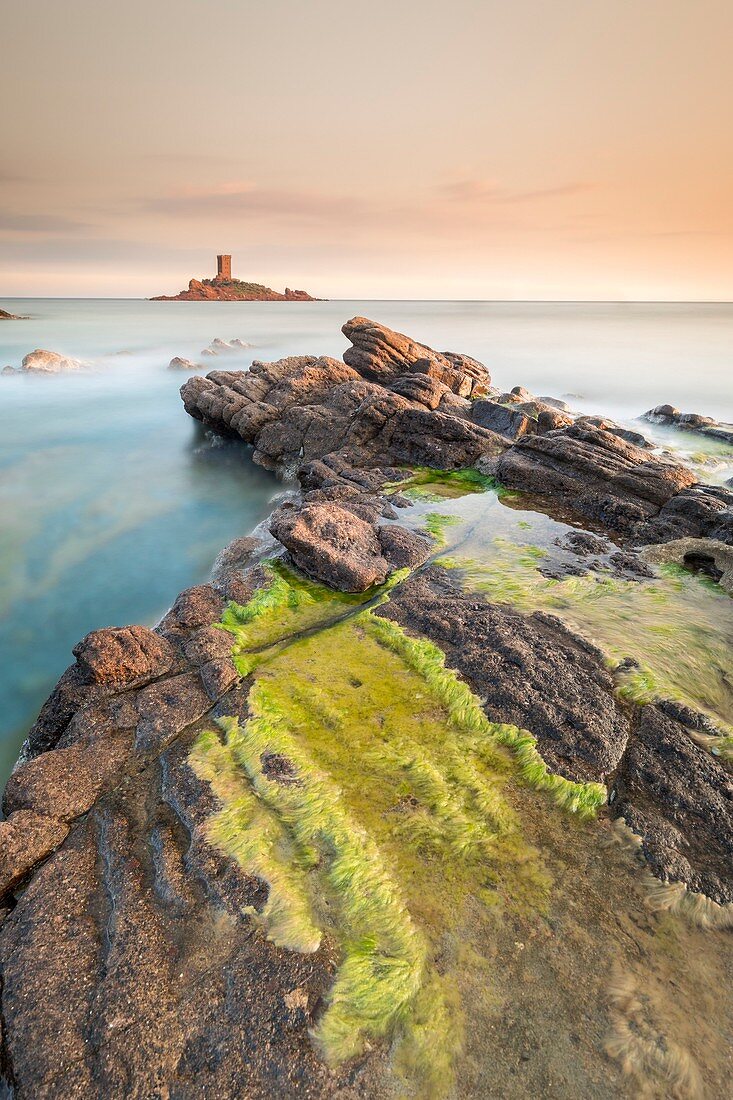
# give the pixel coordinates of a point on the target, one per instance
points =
(9, 370)
(332, 545)
(403, 549)
(521, 393)
(5, 316)
(555, 403)
(606, 425)
(50, 362)
(595, 474)
(500, 419)
(704, 511)
(550, 419)
(706, 425)
(131, 966)
(661, 414)
(302, 408)
(709, 556)
(679, 799)
(122, 655)
(534, 673)
(26, 838)
(381, 354)
(177, 363)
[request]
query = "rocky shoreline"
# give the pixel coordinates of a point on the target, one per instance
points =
(155, 939)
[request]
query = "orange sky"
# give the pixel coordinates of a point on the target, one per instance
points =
(404, 149)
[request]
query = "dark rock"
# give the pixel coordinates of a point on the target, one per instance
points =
(691, 422)
(500, 419)
(679, 799)
(403, 549)
(703, 511)
(606, 425)
(593, 473)
(534, 673)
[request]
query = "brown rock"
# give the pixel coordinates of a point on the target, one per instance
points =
(380, 353)
(122, 655)
(332, 545)
(26, 838)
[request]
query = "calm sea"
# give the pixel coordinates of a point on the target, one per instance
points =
(111, 503)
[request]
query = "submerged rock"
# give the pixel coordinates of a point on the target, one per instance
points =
(177, 363)
(691, 422)
(50, 362)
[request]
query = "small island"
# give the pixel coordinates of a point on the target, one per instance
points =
(5, 316)
(224, 288)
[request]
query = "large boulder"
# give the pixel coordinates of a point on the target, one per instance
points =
(595, 473)
(303, 408)
(334, 544)
(381, 354)
(50, 362)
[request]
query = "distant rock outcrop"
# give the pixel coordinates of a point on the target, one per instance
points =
(233, 290)
(5, 316)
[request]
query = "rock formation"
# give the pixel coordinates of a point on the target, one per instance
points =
(157, 833)
(690, 422)
(232, 290)
(50, 362)
(5, 316)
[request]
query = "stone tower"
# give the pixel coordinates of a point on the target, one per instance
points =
(223, 267)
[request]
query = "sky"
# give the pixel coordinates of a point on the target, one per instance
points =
(466, 149)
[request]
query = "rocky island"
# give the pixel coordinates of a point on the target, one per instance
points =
(5, 316)
(223, 288)
(427, 793)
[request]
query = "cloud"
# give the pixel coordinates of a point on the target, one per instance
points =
(39, 223)
(246, 200)
(481, 192)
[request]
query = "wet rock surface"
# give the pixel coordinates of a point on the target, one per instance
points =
(689, 422)
(132, 963)
(529, 670)
(679, 800)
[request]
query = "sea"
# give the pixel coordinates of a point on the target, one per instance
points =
(112, 501)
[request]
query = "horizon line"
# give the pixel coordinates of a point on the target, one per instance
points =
(497, 301)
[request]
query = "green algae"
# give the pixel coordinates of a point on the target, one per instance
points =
(260, 845)
(436, 524)
(677, 626)
(395, 834)
(426, 483)
(290, 603)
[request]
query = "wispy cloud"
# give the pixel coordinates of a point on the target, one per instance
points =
(481, 192)
(245, 200)
(39, 223)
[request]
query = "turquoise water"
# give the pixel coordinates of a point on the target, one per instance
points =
(112, 502)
